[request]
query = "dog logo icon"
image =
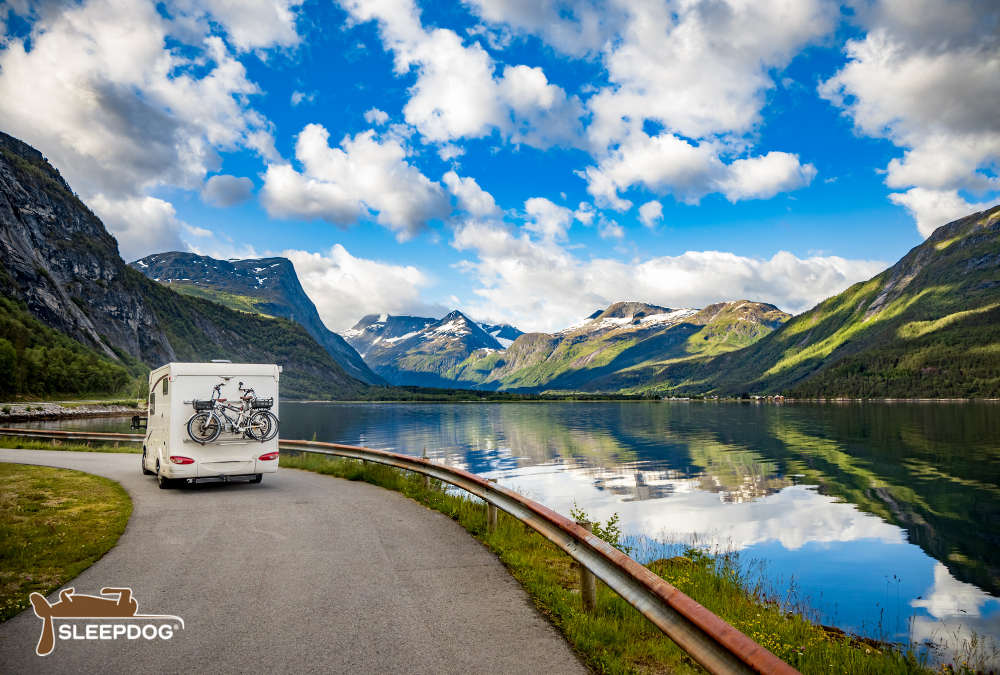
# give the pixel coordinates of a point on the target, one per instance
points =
(76, 606)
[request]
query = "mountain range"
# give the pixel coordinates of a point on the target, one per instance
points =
(409, 350)
(62, 268)
(926, 327)
(266, 286)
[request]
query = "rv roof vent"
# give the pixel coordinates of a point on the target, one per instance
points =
(221, 361)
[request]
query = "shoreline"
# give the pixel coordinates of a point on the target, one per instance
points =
(28, 412)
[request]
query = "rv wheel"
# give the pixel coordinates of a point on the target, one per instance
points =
(164, 482)
(145, 471)
(257, 478)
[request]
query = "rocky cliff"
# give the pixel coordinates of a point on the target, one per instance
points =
(58, 259)
(266, 286)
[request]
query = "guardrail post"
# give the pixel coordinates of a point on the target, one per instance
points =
(302, 454)
(588, 582)
(116, 444)
(427, 482)
(491, 514)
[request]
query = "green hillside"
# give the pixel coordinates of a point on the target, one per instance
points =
(36, 360)
(241, 303)
(603, 356)
(923, 328)
(200, 330)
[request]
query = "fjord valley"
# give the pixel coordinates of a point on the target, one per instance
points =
(923, 328)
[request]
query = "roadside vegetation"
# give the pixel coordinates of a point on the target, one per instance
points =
(54, 523)
(17, 443)
(616, 638)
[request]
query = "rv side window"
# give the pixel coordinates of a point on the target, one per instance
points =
(165, 386)
(152, 404)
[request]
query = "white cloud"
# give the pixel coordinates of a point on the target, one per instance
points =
(345, 288)
(457, 93)
(97, 89)
(471, 198)
(376, 116)
(933, 208)
(142, 225)
(197, 231)
(651, 213)
(539, 285)
(577, 29)
(666, 164)
(698, 70)
(226, 190)
(609, 229)
(584, 213)
(298, 97)
(926, 76)
(549, 221)
(249, 24)
(342, 186)
(450, 151)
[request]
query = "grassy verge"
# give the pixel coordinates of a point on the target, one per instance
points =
(616, 638)
(19, 443)
(54, 523)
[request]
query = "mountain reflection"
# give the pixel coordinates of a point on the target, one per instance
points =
(795, 473)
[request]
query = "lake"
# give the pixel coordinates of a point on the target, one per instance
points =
(885, 515)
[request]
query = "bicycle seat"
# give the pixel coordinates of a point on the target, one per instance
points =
(221, 400)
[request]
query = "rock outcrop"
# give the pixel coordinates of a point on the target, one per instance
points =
(58, 259)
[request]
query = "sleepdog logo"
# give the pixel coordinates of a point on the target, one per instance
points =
(73, 606)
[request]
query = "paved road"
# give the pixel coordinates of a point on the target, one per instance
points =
(302, 573)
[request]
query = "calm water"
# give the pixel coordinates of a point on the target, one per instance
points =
(881, 513)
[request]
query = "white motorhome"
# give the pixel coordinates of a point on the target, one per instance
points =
(168, 450)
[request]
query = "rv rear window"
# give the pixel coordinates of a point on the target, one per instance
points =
(165, 380)
(152, 404)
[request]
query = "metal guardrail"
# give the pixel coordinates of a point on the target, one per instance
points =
(719, 647)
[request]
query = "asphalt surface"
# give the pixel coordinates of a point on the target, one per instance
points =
(301, 573)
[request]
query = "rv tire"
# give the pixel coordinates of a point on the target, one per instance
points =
(145, 471)
(257, 478)
(161, 480)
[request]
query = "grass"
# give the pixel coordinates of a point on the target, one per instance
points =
(54, 523)
(19, 443)
(616, 638)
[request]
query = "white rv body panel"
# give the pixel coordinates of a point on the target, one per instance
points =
(172, 388)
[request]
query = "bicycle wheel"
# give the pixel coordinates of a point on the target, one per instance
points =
(264, 424)
(258, 427)
(204, 427)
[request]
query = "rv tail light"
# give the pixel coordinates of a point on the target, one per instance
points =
(177, 459)
(268, 457)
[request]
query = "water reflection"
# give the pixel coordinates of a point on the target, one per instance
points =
(840, 497)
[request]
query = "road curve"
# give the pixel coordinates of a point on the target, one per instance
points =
(302, 573)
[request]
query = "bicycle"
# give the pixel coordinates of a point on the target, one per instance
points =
(253, 420)
(262, 420)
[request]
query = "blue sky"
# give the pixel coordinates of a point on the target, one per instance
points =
(522, 162)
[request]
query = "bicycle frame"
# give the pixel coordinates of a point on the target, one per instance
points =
(238, 426)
